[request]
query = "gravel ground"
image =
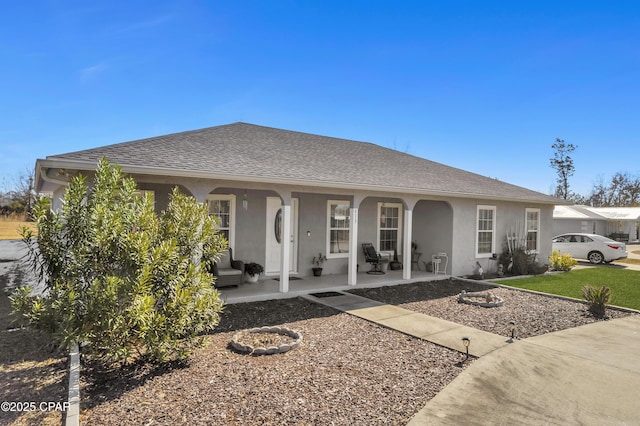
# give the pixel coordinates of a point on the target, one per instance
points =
(533, 314)
(347, 371)
(32, 369)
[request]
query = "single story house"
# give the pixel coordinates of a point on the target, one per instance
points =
(283, 197)
(619, 222)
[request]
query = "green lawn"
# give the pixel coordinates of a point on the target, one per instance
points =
(624, 284)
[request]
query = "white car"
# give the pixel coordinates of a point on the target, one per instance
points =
(592, 247)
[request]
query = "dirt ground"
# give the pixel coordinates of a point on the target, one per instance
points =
(32, 369)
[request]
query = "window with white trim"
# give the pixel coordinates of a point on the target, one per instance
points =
(338, 222)
(533, 229)
(389, 227)
(223, 206)
(485, 231)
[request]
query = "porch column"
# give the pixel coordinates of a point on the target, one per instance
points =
(406, 249)
(285, 247)
(353, 247)
(199, 191)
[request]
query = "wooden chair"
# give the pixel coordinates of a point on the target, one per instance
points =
(373, 257)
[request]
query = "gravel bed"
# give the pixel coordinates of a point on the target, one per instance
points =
(533, 314)
(346, 372)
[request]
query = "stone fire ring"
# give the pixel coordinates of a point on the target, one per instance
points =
(246, 348)
(484, 299)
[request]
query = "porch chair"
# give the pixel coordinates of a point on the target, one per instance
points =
(228, 271)
(373, 257)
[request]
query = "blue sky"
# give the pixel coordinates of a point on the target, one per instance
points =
(483, 86)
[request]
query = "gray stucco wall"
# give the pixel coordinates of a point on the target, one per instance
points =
(250, 229)
(438, 226)
(562, 226)
(312, 212)
(432, 230)
(508, 216)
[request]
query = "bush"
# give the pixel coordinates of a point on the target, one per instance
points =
(562, 262)
(253, 268)
(120, 277)
(597, 298)
(518, 261)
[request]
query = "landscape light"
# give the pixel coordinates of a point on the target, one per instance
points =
(466, 342)
(512, 327)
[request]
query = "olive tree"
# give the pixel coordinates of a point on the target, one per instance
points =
(130, 282)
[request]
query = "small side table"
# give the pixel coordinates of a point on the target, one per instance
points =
(415, 259)
(436, 261)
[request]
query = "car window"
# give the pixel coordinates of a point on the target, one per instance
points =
(561, 239)
(586, 239)
(574, 238)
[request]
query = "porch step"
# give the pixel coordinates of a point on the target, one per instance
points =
(435, 330)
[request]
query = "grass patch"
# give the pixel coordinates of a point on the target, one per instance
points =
(10, 229)
(624, 284)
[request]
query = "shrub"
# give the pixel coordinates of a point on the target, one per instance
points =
(562, 262)
(120, 277)
(253, 268)
(518, 261)
(597, 298)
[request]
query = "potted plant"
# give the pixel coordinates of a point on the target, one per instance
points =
(395, 264)
(318, 261)
(253, 271)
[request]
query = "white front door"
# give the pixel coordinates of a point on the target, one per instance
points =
(275, 237)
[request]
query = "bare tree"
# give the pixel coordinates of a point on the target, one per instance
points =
(563, 165)
(20, 196)
(622, 191)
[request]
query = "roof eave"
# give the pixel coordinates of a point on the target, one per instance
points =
(50, 163)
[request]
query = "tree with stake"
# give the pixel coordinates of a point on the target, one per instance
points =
(129, 282)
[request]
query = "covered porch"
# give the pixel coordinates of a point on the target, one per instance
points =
(269, 287)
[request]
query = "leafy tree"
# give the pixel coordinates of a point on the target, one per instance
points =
(120, 277)
(562, 163)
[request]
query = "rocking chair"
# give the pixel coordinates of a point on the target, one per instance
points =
(373, 257)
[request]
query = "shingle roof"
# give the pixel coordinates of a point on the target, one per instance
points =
(618, 213)
(574, 212)
(242, 150)
(602, 213)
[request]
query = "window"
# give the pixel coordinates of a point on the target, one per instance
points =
(533, 228)
(485, 233)
(338, 214)
(389, 227)
(224, 208)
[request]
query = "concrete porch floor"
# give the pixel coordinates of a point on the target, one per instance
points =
(268, 288)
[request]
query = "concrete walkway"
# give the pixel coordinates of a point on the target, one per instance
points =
(442, 332)
(587, 375)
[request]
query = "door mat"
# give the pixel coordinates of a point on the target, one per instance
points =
(326, 294)
(290, 278)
